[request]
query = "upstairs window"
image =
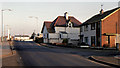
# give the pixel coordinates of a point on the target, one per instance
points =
(69, 24)
(60, 35)
(86, 28)
(93, 26)
(47, 35)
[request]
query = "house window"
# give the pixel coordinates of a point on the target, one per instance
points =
(60, 35)
(93, 40)
(86, 40)
(69, 24)
(86, 28)
(93, 26)
(81, 29)
(47, 35)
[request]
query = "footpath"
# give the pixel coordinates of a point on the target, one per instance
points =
(9, 56)
(6, 49)
(112, 61)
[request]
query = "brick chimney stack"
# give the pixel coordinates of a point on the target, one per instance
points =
(101, 11)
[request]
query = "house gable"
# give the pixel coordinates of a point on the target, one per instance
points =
(99, 17)
(45, 30)
(48, 27)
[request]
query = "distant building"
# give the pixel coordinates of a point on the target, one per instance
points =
(102, 29)
(21, 37)
(63, 27)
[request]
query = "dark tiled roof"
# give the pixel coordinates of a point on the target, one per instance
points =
(21, 36)
(49, 29)
(61, 21)
(98, 17)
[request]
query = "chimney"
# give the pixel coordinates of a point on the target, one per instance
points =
(101, 11)
(66, 15)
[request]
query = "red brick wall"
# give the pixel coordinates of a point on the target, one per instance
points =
(109, 26)
(119, 21)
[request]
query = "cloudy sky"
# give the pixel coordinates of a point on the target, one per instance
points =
(20, 23)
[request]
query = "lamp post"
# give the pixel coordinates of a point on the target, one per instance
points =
(2, 33)
(36, 22)
(8, 32)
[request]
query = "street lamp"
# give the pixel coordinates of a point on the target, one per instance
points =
(36, 21)
(2, 33)
(8, 32)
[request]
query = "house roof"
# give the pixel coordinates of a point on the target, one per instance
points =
(21, 36)
(98, 17)
(61, 21)
(47, 24)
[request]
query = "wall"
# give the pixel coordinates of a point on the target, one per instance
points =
(45, 32)
(68, 29)
(53, 35)
(57, 29)
(73, 30)
(109, 26)
(88, 34)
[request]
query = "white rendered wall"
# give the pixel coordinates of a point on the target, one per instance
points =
(118, 38)
(58, 29)
(88, 34)
(68, 29)
(45, 32)
(53, 35)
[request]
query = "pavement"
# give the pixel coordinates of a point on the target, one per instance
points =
(112, 61)
(33, 54)
(6, 51)
(9, 57)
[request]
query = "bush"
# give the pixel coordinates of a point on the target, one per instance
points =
(39, 40)
(65, 41)
(106, 45)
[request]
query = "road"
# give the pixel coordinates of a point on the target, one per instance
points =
(33, 54)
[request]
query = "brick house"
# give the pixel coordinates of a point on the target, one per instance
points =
(102, 29)
(61, 28)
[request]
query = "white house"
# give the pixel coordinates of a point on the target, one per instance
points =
(22, 38)
(61, 28)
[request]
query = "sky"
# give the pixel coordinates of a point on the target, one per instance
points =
(19, 22)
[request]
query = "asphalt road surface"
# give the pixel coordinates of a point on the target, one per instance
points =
(33, 54)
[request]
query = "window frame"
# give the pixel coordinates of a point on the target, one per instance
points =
(93, 26)
(86, 28)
